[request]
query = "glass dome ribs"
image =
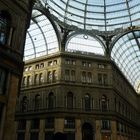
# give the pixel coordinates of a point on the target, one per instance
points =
(101, 15)
(84, 44)
(40, 38)
(126, 54)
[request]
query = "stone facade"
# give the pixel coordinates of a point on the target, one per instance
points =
(82, 96)
(14, 21)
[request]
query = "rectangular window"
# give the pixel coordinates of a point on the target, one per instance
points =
(101, 66)
(67, 61)
(84, 64)
(22, 125)
(102, 79)
(69, 123)
(34, 136)
(49, 135)
(49, 123)
(35, 124)
(20, 136)
(67, 75)
(106, 125)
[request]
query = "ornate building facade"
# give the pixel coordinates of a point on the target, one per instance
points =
(84, 96)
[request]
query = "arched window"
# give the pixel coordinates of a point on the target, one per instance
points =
(36, 80)
(49, 76)
(41, 79)
(104, 103)
(69, 100)
(54, 76)
(24, 81)
(51, 101)
(87, 102)
(37, 102)
(29, 80)
(4, 27)
(24, 104)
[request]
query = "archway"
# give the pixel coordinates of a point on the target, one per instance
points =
(87, 132)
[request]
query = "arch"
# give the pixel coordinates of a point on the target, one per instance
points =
(41, 38)
(84, 43)
(87, 131)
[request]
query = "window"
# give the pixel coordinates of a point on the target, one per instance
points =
(67, 75)
(106, 125)
(22, 125)
(55, 62)
(84, 64)
(4, 27)
(101, 66)
(49, 76)
(54, 76)
(102, 79)
(24, 104)
(49, 135)
(73, 62)
(42, 65)
(87, 101)
(49, 123)
(50, 63)
(34, 136)
(29, 80)
(83, 77)
(69, 123)
(37, 102)
(35, 124)
(51, 101)
(37, 66)
(3, 77)
(89, 77)
(41, 78)
(36, 80)
(20, 136)
(67, 61)
(104, 103)
(69, 100)
(73, 75)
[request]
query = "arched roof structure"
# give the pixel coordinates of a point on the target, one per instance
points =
(102, 15)
(88, 16)
(41, 38)
(126, 54)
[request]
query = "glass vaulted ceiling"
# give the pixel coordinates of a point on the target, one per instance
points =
(40, 38)
(102, 15)
(126, 54)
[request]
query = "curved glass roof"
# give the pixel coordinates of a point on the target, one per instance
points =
(41, 38)
(84, 44)
(126, 54)
(102, 15)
